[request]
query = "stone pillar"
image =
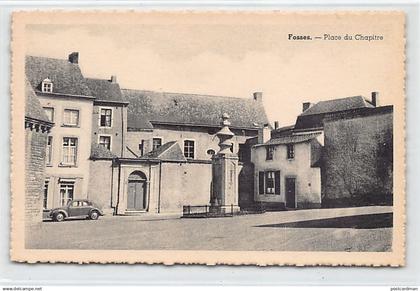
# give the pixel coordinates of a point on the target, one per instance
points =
(224, 197)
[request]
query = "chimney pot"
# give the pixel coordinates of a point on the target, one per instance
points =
(258, 96)
(113, 79)
(375, 99)
(276, 124)
(306, 106)
(74, 58)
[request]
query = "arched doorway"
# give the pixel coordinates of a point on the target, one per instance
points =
(137, 191)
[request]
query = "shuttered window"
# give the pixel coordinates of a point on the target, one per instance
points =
(261, 182)
(269, 182)
(277, 182)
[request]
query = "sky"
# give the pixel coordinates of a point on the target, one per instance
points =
(233, 57)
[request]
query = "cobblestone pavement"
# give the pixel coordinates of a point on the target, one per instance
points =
(344, 229)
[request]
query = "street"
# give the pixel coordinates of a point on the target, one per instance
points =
(345, 229)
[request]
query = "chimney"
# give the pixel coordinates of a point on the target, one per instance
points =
(113, 79)
(74, 58)
(264, 134)
(276, 124)
(375, 99)
(306, 106)
(258, 96)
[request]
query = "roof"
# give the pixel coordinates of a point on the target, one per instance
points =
(292, 139)
(148, 107)
(33, 108)
(98, 152)
(168, 151)
(282, 131)
(104, 90)
(340, 104)
(65, 76)
(314, 116)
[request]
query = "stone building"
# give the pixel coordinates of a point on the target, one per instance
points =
(338, 153)
(37, 127)
(67, 101)
(135, 151)
(169, 144)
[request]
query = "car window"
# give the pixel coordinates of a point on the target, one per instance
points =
(84, 203)
(75, 203)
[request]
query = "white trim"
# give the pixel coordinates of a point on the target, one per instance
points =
(64, 124)
(195, 147)
(110, 140)
(99, 116)
(62, 164)
(45, 82)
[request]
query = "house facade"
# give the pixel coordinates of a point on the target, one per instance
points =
(338, 153)
(63, 93)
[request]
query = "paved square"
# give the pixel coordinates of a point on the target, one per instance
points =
(345, 229)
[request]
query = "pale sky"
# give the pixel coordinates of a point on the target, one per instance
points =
(234, 59)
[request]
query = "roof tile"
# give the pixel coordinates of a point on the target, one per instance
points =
(148, 107)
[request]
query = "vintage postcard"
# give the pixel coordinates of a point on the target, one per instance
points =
(204, 137)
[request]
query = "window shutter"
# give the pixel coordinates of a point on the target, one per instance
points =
(261, 182)
(277, 182)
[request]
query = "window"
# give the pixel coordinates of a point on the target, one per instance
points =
(269, 182)
(105, 141)
(71, 117)
(211, 152)
(106, 117)
(290, 151)
(269, 153)
(47, 86)
(189, 149)
(66, 192)
(69, 151)
(45, 203)
(48, 153)
(49, 111)
(157, 143)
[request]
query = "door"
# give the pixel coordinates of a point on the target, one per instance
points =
(291, 192)
(136, 198)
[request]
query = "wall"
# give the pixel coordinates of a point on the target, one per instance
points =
(102, 184)
(184, 184)
(204, 138)
(118, 129)
(308, 179)
(358, 159)
(35, 143)
(134, 138)
(55, 171)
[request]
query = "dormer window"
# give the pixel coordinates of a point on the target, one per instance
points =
(47, 86)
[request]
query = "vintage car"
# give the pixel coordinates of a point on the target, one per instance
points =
(80, 208)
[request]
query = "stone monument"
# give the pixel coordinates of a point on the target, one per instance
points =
(224, 196)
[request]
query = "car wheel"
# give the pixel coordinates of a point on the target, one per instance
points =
(59, 216)
(94, 215)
